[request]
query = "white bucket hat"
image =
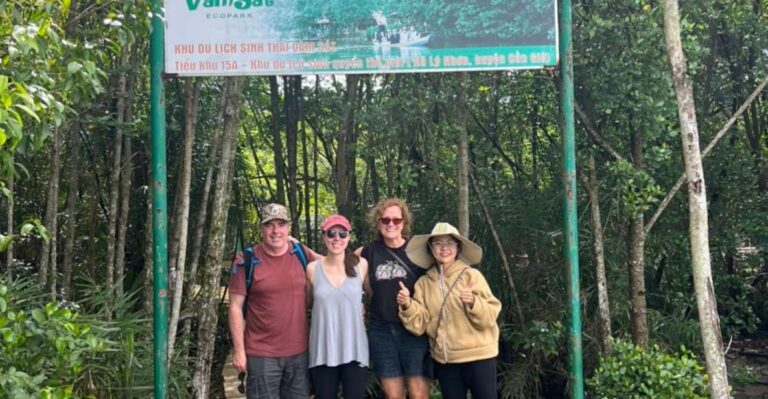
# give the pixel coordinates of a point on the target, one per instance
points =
(418, 250)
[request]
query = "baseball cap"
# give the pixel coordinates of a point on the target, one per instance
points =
(273, 211)
(336, 220)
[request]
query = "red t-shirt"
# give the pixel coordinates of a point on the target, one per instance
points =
(276, 320)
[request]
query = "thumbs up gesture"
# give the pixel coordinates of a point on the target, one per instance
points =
(467, 296)
(403, 296)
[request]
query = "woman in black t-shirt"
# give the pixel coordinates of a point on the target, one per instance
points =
(397, 356)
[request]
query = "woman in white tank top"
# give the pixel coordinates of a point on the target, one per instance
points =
(338, 345)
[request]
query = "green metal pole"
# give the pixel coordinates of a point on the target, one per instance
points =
(570, 221)
(159, 202)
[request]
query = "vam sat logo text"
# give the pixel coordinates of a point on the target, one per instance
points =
(238, 4)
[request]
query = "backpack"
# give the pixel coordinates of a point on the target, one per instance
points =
(250, 261)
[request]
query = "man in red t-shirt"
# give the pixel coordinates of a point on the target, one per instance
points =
(271, 344)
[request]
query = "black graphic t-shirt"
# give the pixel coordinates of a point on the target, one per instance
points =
(385, 272)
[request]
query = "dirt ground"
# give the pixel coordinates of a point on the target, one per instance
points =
(748, 368)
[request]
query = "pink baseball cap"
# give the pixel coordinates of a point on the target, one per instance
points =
(336, 220)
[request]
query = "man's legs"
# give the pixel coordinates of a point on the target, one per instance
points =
(295, 378)
(264, 375)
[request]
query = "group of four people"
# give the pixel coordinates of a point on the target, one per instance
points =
(429, 309)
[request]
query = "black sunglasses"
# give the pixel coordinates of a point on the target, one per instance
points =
(333, 233)
(241, 386)
(386, 221)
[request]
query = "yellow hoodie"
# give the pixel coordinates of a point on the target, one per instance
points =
(464, 334)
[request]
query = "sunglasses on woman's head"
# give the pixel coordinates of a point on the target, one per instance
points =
(334, 233)
(395, 221)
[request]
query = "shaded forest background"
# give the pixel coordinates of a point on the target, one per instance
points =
(76, 230)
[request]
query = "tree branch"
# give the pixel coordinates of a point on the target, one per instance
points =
(665, 202)
(497, 146)
(594, 134)
(500, 247)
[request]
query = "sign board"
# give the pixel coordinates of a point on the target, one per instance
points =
(304, 37)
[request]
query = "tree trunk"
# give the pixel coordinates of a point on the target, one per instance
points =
(257, 161)
(202, 214)
(47, 274)
(277, 141)
(754, 132)
(71, 213)
(709, 321)
(200, 223)
(126, 181)
(636, 249)
(375, 180)
(125, 208)
(93, 211)
(463, 156)
(316, 186)
(305, 161)
(292, 93)
(114, 182)
(636, 263)
(345, 148)
(216, 242)
(9, 231)
(598, 246)
(390, 169)
(191, 92)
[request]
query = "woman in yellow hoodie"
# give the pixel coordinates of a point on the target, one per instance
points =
(455, 307)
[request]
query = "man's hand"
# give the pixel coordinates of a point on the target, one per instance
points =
(403, 296)
(239, 360)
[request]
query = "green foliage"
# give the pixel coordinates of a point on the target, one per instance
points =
(68, 350)
(57, 74)
(26, 229)
(676, 329)
(545, 338)
(30, 41)
(638, 189)
(741, 374)
(737, 316)
(44, 349)
(434, 391)
(539, 346)
(124, 369)
(630, 372)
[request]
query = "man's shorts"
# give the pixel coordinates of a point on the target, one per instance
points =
(278, 377)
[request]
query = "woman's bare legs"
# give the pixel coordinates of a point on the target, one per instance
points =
(393, 387)
(418, 387)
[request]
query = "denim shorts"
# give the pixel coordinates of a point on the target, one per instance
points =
(395, 352)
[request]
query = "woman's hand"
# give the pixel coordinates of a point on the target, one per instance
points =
(467, 296)
(404, 296)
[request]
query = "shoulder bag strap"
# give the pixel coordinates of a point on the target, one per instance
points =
(445, 298)
(400, 261)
